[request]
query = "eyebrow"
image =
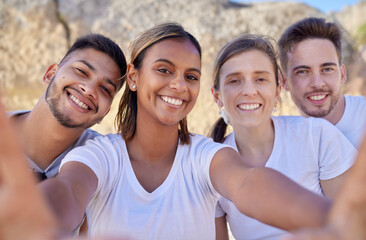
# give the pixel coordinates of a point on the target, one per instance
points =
(322, 65)
(300, 67)
(328, 64)
(111, 83)
(93, 69)
(256, 72)
(232, 74)
(87, 64)
(171, 63)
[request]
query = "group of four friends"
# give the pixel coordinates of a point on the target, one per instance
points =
(156, 180)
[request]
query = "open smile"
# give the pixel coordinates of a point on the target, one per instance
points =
(82, 103)
(318, 98)
(249, 106)
(174, 101)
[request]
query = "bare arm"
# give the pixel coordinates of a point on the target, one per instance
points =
(347, 219)
(331, 187)
(265, 194)
(221, 228)
(69, 193)
(23, 212)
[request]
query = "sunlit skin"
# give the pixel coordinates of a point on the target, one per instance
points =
(248, 91)
(314, 78)
(168, 82)
(167, 86)
(82, 88)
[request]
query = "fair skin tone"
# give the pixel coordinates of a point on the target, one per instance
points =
(88, 77)
(314, 78)
(167, 85)
(249, 93)
(347, 218)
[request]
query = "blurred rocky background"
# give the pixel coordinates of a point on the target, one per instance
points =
(37, 33)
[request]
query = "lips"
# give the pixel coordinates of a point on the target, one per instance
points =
(318, 98)
(171, 100)
(249, 106)
(82, 102)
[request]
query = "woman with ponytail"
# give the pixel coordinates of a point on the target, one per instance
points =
(310, 151)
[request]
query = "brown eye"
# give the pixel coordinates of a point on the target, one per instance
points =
(81, 71)
(106, 90)
(192, 77)
(164, 70)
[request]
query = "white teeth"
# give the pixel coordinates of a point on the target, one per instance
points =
(174, 101)
(249, 106)
(78, 102)
(317, 97)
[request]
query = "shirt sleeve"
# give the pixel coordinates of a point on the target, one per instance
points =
(99, 155)
(219, 211)
(204, 151)
(336, 153)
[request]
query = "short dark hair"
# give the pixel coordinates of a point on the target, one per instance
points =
(309, 28)
(102, 44)
(127, 112)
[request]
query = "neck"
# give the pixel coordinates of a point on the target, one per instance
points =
(255, 144)
(153, 142)
(336, 114)
(42, 137)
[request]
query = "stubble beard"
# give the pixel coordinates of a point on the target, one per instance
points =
(61, 117)
(321, 112)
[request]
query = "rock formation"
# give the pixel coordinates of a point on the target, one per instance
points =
(35, 34)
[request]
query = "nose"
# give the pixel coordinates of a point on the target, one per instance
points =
(88, 88)
(179, 83)
(317, 81)
(249, 89)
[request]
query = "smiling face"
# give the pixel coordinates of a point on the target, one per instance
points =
(81, 89)
(315, 77)
(168, 81)
(248, 89)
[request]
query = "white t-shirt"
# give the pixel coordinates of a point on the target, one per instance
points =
(182, 207)
(353, 121)
(53, 168)
(306, 150)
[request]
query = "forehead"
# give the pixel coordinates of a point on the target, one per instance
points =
(312, 52)
(178, 51)
(247, 61)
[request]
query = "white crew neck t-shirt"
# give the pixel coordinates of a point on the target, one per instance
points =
(306, 150)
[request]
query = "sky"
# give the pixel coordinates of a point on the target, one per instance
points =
(325, 6)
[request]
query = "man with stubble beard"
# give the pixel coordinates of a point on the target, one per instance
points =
(311, 58)
(79, 94)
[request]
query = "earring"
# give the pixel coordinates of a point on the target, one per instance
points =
(224, 116)
(133, 86)
(275, 108)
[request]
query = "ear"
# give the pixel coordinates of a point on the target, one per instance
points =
(343, 74)
(278, 92)
(131, 76)
(284, 83)
(50, 73)
(216, 96)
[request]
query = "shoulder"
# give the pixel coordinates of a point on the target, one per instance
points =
(292, 122)
(109, 139)
(16, 113)
(203, 147)
(90, 133)
(355, 99)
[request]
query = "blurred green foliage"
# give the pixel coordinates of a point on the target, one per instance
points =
(361, 34)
